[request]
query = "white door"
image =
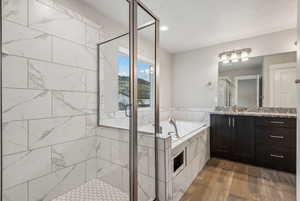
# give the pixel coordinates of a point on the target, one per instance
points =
(284, 87)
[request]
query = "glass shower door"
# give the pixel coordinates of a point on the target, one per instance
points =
(147, 105)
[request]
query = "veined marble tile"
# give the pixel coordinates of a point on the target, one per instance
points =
(91, 81)
(14, 71)
(163, 164)
(14, 137)
(16, 193)
(105, 147)
(120, 153)
(69, 103)
(143, 160)
(92, 36)
(57, 22)
(22, 41)
(47, 132)
(48, 187)
(69, 53)
(110, 173)
(146, 188)
(67, 154)
(115, 134)
(15, 10)
(21, 167)
(91, 169)
(21, 104)
(91, 125)
(44, 75)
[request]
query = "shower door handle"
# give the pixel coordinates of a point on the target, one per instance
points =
(127, 112)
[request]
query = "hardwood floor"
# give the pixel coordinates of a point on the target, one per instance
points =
(223, 180)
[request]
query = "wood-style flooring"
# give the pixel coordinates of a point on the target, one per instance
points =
(223, 180)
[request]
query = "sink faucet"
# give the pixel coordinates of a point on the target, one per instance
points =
(172, 121)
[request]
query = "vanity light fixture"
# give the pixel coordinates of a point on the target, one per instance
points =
(235, 56)
(164, 28)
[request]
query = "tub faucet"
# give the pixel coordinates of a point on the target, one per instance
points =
(172, 121)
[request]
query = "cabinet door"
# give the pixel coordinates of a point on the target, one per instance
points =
(221, 138)
(243, 138)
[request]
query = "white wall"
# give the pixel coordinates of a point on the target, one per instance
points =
(194, 69)
(298, 107)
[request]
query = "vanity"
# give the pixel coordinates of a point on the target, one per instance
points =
(264, 140)
(255, 118)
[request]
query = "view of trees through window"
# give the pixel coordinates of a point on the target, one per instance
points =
(144, 83)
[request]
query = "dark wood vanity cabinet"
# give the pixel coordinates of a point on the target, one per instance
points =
(232, 137)
(262, 141)
(221, 140)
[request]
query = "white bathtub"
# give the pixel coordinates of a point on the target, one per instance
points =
(186, 130)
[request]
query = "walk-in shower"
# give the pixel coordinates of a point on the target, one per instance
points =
(80, 81)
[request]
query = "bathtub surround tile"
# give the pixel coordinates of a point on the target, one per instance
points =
(44, 75)
(22, 41)
(69, 103)
(14, 71)
(14, 137)
(67, 154)
(16, 193)
(22, 167)
(47, 132)
(69, 53)
(15, 10)
(49, 187)
(53, 21)
(197, 153)
(22, 104)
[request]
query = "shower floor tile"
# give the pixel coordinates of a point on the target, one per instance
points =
(94, 190)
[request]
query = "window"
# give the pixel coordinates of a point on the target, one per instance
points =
(144, 83)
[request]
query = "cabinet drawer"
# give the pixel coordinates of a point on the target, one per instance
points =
(276, 122)
(275, 158)
(280, 137)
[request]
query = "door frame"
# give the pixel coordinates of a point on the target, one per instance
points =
(247, 77)
(272, 78)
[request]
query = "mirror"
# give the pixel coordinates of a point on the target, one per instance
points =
(265, 81)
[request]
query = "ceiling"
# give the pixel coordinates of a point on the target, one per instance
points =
(198, 23)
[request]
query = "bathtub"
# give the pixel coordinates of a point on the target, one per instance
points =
(186, 130)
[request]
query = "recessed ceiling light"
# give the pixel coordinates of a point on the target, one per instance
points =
(164, 28)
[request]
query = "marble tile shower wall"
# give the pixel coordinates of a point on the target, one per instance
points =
(49, 99)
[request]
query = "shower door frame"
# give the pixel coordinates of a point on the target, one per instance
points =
(133, 125)
(133, 142)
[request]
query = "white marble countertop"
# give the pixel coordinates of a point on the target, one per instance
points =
(258, 114)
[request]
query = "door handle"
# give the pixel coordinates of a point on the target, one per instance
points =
(276, 156)
(229, 122)
(233, 122)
